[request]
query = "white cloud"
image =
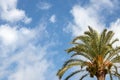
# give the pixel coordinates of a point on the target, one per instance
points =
(11, 35)
(31, 72)
(27, 20)
(7, 35)
(44, 5)
(115, 27)
(23, 50)
(23, 47)
(53, 19)
(84, 17)
(89, 15)
(10, 13)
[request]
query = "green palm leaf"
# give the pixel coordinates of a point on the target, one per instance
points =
(114, 52)
(83, 54)
(110, 74)
(71, 61)
(73, 73)
(84, 76)
(116, 59)
(68, 65)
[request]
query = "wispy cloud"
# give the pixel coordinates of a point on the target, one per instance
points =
(10, 13)
(44, 5)
(53, 18)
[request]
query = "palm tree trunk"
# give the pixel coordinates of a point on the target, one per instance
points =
(100, 75)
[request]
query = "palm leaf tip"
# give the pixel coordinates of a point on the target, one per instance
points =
(70, 50)
(90, 29)
(114, 41)
(83, 76)
(59, 74)
(104, 31)
(72, 74)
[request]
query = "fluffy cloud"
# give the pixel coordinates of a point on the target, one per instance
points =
(31, 72)
(44, 5)
(11, 35)
(10, 13)
(90, 15)
(32, 65)
(24, 53)
(23, 50)
(115, 27)
(83, 17)
(53, 19)
(7, 34)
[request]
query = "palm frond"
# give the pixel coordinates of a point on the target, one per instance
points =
(114, 41)
(105, 50)
(84, 50)
(116, 74)
(75, 54)
(68, 65)
(91, 30)
(77, 48)
(84, 55)
(110, 74)
(73, 73)
(102, 37)
(116, 69)
(84, 76)
(114, 52)
(116, 59)
(108, 37)
(72, 61)
(83, 38)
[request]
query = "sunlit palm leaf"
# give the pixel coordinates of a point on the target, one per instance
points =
(109, 36)
(81, 48)
(84, 39)
(116, 59)
(114, 41)
(71, 61)
(84, 55)
(114, 52)
(67, 66)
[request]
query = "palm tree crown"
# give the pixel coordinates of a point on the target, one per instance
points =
(100, 54)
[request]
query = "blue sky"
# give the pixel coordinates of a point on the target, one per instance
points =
(35, 33)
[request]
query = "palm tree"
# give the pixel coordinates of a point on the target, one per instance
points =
(102, 57)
